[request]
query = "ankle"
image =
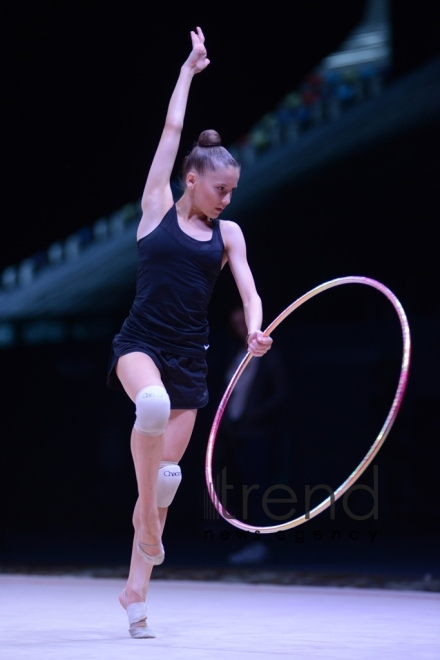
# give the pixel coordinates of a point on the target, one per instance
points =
(130, 596)
(150, 533)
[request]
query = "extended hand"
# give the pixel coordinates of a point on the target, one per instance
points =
(258, 343)
(197, 59)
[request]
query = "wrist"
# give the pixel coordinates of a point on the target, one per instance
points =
(187, 69)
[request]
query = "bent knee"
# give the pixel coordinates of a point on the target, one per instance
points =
(152, 410)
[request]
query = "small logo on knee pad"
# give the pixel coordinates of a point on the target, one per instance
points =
(156, 395)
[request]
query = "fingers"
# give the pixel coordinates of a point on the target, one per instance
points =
(197, 37)
(200, 36)
(259, 344)
(197, 59)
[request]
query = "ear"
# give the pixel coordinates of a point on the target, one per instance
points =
(191, 180)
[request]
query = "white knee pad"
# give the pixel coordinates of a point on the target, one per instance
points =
(168, 481)
(152, 410)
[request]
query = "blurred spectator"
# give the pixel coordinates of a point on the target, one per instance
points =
(85, 236)
(311, 97)
(323, 95)
(254, 437)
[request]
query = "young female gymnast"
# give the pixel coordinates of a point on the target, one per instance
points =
(158, 357)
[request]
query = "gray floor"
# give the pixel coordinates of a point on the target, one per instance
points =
(48, 617)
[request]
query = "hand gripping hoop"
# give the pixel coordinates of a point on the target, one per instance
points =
(377, 444)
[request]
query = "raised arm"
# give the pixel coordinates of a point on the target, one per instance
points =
(157, 196)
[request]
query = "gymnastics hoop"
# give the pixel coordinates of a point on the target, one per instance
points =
(377, 444)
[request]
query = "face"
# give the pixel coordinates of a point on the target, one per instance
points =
(212, 191)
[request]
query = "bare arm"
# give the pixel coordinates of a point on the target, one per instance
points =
(235, 248)
(157, 196)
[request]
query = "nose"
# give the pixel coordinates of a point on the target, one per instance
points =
(227, 199)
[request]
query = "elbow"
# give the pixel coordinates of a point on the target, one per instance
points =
(254, 300)
(173, 125)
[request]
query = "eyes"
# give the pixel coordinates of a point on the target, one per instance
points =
(224, 189)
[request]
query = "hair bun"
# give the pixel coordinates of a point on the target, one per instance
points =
(209, 138)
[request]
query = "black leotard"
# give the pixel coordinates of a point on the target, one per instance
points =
(175, 279)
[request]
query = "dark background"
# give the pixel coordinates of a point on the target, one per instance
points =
(85, 87)
(84, 94)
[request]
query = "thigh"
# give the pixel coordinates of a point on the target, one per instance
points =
(178, 434)
(135, 371)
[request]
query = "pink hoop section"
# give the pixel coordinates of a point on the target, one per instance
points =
(377, 444)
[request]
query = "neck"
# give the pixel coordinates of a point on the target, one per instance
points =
(188, 212)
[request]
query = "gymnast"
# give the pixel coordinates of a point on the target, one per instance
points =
(158, 357)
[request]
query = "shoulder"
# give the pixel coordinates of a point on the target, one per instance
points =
(231, 232)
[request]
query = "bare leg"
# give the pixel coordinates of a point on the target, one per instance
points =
(147, 453)
(140, 570)
(177, 436)
(135, 371)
